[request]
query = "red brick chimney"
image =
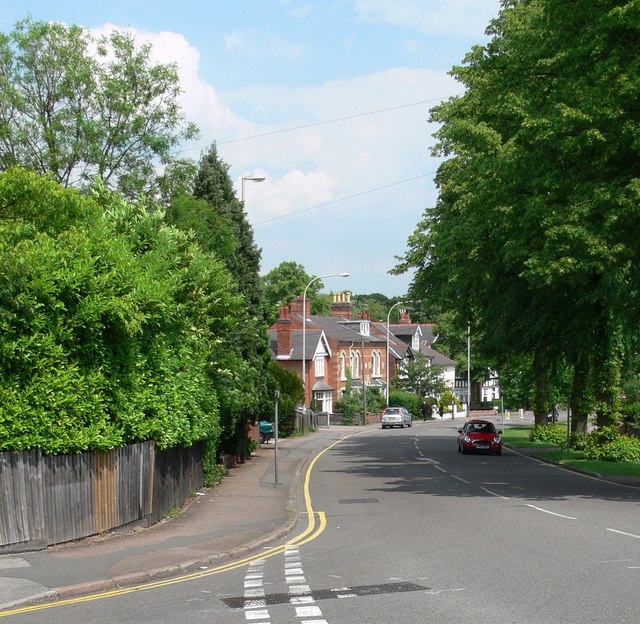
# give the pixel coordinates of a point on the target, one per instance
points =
(405, 317)
(283, 327)
(342, 306)
(296, 308)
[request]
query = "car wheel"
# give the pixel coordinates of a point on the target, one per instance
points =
(410, 424)
(262, 438)
(384, 426)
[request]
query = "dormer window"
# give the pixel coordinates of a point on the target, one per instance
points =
(364, 328)
(415, 342)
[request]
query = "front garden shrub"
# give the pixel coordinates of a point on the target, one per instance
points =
(607, 444)
(408, 400)
(578, 441)
(554, 435)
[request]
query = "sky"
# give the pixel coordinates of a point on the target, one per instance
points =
(328, 100)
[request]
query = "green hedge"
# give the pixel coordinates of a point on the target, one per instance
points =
(110, 323)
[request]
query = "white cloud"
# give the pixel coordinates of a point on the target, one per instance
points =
(432, 17)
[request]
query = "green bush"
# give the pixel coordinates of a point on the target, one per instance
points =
(111, 324)
(578, 441)
(408, 400)
(631, 412)
(607, 444)
(555, 435)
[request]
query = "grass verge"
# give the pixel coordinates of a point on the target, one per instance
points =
(518, 437)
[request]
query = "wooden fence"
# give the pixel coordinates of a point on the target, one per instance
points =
(51, 499)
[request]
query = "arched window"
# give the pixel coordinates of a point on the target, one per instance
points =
(343, 366)
(375, 363)
(356, 364)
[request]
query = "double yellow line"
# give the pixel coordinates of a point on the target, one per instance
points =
(316, 525)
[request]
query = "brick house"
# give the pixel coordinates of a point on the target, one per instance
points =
(337, 343)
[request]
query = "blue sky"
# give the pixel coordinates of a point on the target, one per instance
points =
(327, 99)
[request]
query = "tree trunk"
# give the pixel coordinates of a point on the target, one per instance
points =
(580, 400)
(541, 389)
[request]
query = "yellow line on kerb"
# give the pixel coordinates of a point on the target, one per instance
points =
(310, 533)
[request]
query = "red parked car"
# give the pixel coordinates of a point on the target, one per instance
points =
(479, 435)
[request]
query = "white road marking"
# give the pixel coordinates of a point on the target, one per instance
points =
(493, 493)
(461, 479)
(254, 596)
(300, 596)
(623, 533)
(552, 513)
(312, 611)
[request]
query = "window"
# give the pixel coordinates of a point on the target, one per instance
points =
(320, 366)
(375, 363)
(343, 366)
(415, 342)
(356, 364)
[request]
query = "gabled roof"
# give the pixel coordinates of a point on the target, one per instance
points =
(312, 339)
(437, 358)
(403, 330)
(342, 330)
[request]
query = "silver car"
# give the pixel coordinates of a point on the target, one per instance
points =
(396, 417)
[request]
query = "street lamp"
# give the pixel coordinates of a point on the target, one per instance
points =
(304, 333)
(388, 318)
(251, 178)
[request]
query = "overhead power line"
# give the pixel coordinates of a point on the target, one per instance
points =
(318, 123)
(341, 199)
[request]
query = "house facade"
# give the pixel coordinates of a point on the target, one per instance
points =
(337, 345)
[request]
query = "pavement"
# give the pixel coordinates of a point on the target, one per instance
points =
(243, 513)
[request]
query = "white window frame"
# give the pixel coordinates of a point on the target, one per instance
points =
(375, 363)
(319, 366)
(343, 366)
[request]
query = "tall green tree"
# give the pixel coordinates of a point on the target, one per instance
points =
(419, 376)
(222, 228)
(76, 107)
(288, 281)
(529, 237)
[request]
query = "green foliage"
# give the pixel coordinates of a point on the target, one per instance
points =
(607, 444)
(352, 402)
(409, 400)
(555, 435)
(631, 412)
(110, 324)
(533, 238)
(74, 114)
(287, 281)
(578, 441)
(448, 398)
(419, 376)
(291, 394)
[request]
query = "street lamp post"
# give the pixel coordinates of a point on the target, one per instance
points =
(251, 178)
(304, 333)
(388, 318)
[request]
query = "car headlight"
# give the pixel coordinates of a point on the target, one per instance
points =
(467, 438)
(496, 440)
